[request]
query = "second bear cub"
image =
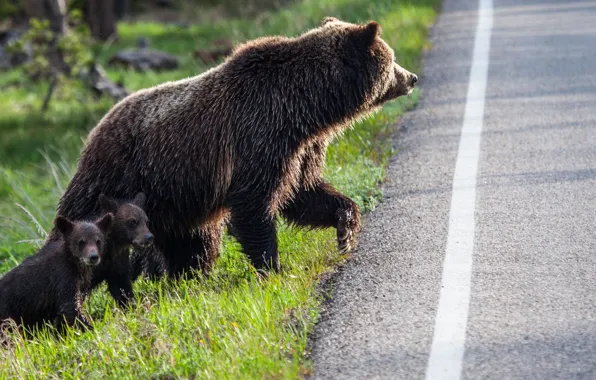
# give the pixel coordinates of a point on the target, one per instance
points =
(129, 229)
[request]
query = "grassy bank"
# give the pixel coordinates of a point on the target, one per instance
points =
(231, 325)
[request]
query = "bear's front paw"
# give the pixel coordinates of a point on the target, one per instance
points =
(348, 224)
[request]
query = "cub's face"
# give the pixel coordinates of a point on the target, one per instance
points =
(85, 240)
(131, 224)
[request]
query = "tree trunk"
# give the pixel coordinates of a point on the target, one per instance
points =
(55, 12)
(122, 8)
(102, 19)
(52, 10)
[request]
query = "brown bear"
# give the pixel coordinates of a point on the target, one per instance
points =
(129, 228)
(49, 286)
(241, 143)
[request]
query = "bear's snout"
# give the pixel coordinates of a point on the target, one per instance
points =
(413, 79)
(145, 240)
(149, 238)
(401, 83)
(407, 79)
(92, 257)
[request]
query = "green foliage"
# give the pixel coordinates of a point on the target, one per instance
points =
(59, 58)
(39, 36)
(231, 325)
(10, 8)
(75, 45)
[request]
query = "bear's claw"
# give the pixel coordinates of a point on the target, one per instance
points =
(347, 226)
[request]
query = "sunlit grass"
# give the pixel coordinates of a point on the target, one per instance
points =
(231, 325)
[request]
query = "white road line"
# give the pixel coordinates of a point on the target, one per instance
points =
(447, 351)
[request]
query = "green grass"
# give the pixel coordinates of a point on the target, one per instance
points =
(231, 325)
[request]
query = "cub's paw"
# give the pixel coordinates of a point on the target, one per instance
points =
(348, 224)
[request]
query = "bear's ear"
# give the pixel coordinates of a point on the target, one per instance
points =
(105, 223)
(369, 33)
(107, 204)
(140, 200)
(328, 19)
(64, 225)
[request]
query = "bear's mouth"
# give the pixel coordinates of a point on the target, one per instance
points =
(141, 244)
(91, 262)
(394, 92)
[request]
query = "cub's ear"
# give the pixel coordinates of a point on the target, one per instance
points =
(105, 223)
(64, 225)
(107, 204)
(369, 33)
(328, 19)
(140, 200)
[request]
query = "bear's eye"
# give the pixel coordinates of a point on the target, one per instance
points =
(81, 244)
(98, 242)
(133, 223)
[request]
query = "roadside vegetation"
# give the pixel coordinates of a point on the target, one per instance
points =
(231, 325)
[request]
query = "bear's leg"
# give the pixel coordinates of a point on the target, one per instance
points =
(323, 206)
(148, 262)
(69, 314)
(119, 279)
(182, 254)
(197, 252)
(256, 232)
(212, 235)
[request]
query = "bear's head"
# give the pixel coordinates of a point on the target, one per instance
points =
(130, 221)
(365, 60)
(85, 240)
(328, 76)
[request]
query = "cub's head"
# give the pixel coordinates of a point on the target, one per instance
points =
(85, 240)
(130, 221)
(364, 61)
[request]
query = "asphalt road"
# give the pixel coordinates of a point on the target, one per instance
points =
(531, 308)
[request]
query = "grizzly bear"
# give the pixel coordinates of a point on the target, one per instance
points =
(129, 228)
(48, 287)
(241, 143)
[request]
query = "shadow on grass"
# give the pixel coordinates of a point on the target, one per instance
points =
(27, 133)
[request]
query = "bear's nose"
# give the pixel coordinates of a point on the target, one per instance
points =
(93, 257)
(149, 238)
(414, 78)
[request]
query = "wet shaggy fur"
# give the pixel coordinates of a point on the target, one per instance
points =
(48, 287)
(129, 228)
(241, 143)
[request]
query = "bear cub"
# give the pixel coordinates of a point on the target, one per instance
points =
(129, 229)
(48, 287)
